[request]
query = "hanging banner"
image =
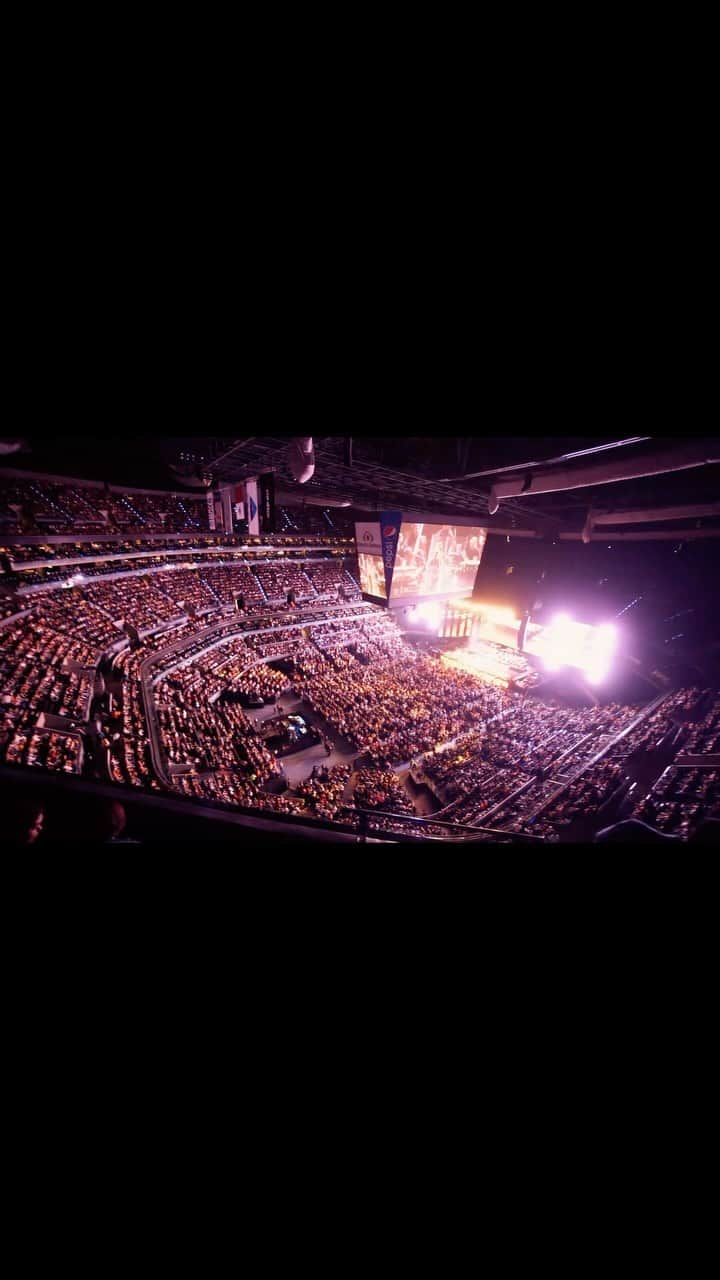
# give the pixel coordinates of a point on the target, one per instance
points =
(211, 510)
(390, 522)
(267, 503)
(219, 518)
(253, 511)
(238, 504)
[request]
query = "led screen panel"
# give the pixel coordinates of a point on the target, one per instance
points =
(436, 559)
(372, 575)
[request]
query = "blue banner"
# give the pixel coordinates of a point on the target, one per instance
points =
(390, 522)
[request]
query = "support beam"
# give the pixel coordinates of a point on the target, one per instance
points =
(650, 535)
(690, 512)
(697, 454)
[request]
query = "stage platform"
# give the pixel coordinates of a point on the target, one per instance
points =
(496, 664)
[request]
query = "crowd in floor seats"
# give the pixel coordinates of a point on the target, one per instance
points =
(582, 798)
(662, 722)
(381, 789)
(260, 681)
(704, 735)
(391, 708)
(44, 749)
(212, 738)
(324, 790)
(681, 800)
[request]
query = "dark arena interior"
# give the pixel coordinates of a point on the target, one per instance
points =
(465, 640)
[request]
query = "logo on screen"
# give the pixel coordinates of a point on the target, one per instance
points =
(389, 531)
(367, 537)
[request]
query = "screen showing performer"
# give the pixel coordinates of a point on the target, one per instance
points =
(372, 575)
(434, 559)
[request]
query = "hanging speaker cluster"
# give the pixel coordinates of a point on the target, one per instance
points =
(301, 458)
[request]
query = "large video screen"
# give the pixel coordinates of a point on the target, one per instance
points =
(372, 575)
(436, 559)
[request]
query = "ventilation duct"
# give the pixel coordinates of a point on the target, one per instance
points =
(699, 454)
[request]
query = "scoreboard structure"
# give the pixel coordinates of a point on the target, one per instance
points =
(404, 560)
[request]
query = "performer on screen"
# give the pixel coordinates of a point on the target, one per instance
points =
(434, 566)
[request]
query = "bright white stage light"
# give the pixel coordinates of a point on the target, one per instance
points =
(567, 643)
(429, 612)
(597, 659)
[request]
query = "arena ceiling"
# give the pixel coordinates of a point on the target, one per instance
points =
(447, 475)
(456, 475)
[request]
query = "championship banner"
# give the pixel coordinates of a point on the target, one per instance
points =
(219, 519)
(267, 502)
(253, 511)
(390, 522)
(211, 509)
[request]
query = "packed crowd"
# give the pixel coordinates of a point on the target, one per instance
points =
(70, 612)
(260, 681)
(43, 748)
(36, 505)
(704, 735)
(581, 799)
(30, 504)
(681, 800)
(393, 703)
(277, 580)
(381, 789)
(211, 738)
(42, 672)
(326, 579)
(324, 790)
(646, 736)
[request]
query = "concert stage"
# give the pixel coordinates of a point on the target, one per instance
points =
(495, 664)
